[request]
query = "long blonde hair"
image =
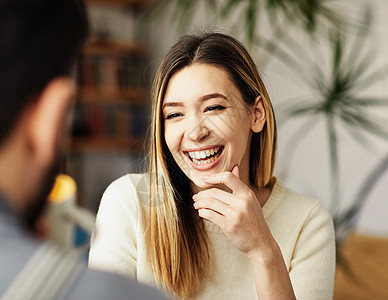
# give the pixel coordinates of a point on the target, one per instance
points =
(176, 238)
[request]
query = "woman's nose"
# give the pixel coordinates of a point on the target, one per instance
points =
(196, 129)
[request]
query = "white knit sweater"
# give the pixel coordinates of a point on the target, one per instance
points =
(301, 226)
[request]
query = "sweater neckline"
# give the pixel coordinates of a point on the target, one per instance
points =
(276, 196)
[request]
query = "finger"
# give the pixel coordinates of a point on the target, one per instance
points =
(215, 193)
(213, 204)
(212, 216)
(226, 178)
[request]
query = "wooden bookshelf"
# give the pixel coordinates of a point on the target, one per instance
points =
(94, 95)
(107, 47)
(110, 117)
(112, 99)
(107, 144)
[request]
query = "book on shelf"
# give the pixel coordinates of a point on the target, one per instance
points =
(112, 122)
(111, 72)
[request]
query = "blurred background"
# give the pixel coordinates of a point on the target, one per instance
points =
(325, 65)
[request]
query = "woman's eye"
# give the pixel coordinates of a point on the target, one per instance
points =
(173, 115)
(215, 107)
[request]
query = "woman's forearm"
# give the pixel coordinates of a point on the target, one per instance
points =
(271, 276)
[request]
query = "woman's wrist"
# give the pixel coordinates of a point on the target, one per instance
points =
(267, 255)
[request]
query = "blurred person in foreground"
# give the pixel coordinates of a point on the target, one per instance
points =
(39, 41)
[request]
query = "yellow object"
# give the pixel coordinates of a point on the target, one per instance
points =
(64, 187)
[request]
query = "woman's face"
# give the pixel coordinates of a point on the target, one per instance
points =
(207, 126)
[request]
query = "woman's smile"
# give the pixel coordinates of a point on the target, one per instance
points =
(205, 158)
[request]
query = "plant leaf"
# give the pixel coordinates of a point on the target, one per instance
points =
(369, 101)
(366, 124)
(229, 5)
(334, 169)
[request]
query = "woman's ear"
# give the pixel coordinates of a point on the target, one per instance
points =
(46, 118)
(259, 116)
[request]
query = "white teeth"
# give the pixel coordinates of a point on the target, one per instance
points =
(198, 157)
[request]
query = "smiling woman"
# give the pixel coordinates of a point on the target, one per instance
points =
(210, 221)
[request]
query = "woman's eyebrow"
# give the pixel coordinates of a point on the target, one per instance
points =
(173, 104)
(200, 99)
(210, 96)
